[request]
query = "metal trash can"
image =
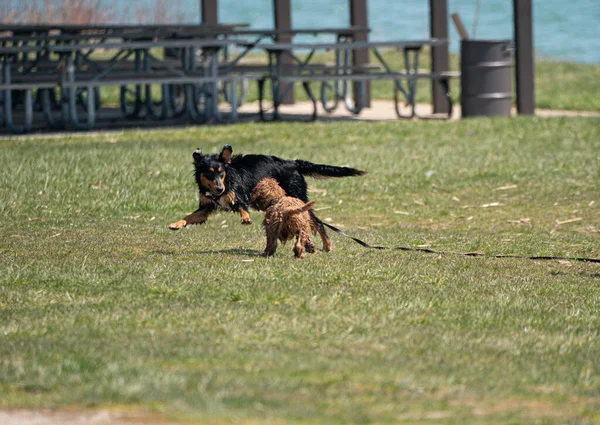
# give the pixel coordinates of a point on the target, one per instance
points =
(486, 77)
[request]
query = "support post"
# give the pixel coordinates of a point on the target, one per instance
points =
(283, 21)
(440, 57)
(359, 18)
(523, 26)
(210, 12)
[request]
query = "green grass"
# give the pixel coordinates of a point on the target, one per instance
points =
(101, 306)
(565, 85)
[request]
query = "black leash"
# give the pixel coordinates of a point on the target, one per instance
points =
(465, 254)
(358, 241)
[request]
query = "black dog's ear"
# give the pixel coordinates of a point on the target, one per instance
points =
(225, 155)
(197, 155)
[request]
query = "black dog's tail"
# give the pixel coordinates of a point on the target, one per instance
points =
(322, 171)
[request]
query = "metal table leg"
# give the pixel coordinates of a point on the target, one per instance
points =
(407, 92)
(195, 96)
(134, 109)
(160, 111)
(213, 71)
(71, 95)
(337, 87)
(1, 94)
(49, 103)
(353, 107)
(8, 105)
(277, 67)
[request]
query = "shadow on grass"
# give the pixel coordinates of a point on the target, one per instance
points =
(234, 251)
(111, 121)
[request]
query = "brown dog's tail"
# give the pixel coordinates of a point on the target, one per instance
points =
(303, 208)
(323, 171)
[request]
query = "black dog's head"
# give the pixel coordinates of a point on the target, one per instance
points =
(211, 170)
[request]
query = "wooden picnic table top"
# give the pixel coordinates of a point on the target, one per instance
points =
(68, 33)
(100, 28)
(76, 33)
(407, 44)
(270, 32)
(125, 45)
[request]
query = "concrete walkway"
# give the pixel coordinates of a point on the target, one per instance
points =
(383, 110)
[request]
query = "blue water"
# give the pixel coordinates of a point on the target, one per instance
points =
(563, 29)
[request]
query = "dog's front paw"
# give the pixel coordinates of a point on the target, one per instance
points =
(245, 216)
(178, 225)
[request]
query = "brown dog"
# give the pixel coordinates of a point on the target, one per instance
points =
(285, 217)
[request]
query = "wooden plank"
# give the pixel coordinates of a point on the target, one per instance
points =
(210, 11)
(523, 26)
(462, 31)
(359, 18)
(440, 57)
(359, 45)
(283, 21)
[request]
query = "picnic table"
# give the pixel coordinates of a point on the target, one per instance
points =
(337, 78)
(59, 69)
(258, 36)
(79, 76)
(34, 51)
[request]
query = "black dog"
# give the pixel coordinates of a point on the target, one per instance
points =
(226, 182)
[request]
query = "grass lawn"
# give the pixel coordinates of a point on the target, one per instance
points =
(101, 306)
